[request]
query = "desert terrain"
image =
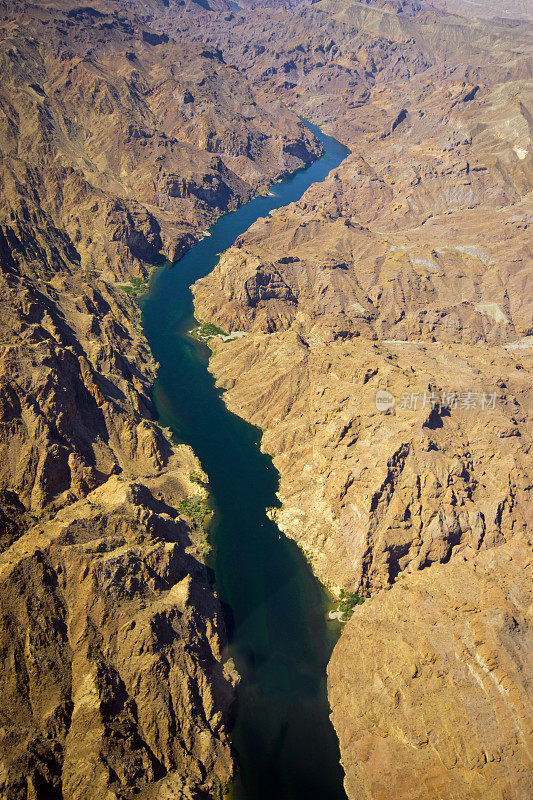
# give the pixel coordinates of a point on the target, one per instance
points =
(385, 327)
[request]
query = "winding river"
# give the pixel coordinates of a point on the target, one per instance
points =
(280, 639)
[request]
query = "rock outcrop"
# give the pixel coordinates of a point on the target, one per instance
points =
(111, 639)
(433, 679)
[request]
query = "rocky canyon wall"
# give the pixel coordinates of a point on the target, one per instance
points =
(118, 146)
(387, 358)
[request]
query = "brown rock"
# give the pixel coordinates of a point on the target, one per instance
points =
(406, 273)
(430, 682)
(111, 647)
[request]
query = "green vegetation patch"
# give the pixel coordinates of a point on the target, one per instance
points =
(136, 287)
(221, 792)
(348, 602)
(197, 509)
(195, 478)
(204, 331)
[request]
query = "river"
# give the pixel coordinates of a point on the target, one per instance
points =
(280, 640)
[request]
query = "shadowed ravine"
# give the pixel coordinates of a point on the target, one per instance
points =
(281, 642)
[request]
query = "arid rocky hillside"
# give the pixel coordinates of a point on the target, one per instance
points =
(117, 146)
(433, 680)
(131, 143)
(389, 324)
(112, 681)
(492, 9)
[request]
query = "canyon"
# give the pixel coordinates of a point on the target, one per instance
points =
(406, 273)
(113, 680)
(383, 327)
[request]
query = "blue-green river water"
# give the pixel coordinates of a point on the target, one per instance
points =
(280, 640)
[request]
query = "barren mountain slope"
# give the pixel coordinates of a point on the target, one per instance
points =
(510, 9)
(116, 128)
(111, 639)
(117, 145)
(388, 361)
(408, 272)
(430, 685)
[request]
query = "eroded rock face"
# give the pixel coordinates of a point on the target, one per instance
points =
(127, 145)
(433, 679)
(369, 493)
(387, 358)
(111, 640)
(516, 9)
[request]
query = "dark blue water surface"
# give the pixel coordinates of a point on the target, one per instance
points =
(286, 747)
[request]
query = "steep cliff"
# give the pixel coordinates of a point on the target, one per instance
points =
(432, 680)
(111, 643)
